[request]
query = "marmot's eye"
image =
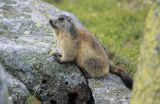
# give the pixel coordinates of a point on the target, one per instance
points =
(61, 19)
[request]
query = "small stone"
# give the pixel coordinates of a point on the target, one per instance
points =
(27, 32)
(158, 37)
(156, 14)
(158, 49)
(16, 37)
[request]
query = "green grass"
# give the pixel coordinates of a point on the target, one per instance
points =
(118, 24)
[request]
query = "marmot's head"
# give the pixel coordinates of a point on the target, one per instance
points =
(62, 24)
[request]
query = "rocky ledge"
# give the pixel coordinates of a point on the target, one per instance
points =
(25, 39)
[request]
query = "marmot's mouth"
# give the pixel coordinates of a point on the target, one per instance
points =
(52, 24)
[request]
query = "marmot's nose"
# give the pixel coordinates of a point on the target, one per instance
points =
(50, 21)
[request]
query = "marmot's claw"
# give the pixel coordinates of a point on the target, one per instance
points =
(57, 54)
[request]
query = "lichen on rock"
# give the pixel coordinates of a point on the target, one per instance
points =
(147, 83)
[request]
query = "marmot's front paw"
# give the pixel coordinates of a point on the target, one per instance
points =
(58, 59)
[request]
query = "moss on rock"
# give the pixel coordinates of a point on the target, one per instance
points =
(147, 83)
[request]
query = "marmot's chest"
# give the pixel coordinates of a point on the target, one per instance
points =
(66, 41)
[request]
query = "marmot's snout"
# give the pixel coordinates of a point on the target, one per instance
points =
(52, 23)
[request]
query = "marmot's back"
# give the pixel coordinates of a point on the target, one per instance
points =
(92, 57)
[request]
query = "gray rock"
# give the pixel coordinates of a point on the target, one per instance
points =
(109, 90)
(18, 93)
(11, 89)
(25, 39)
(3, 87)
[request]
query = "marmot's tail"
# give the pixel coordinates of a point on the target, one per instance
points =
(127, 79)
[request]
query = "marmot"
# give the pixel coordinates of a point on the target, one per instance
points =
(80, 46)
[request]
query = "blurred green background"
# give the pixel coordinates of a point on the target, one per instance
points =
(118, 24)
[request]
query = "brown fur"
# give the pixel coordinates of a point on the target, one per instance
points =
(91, 56)
(83, 48)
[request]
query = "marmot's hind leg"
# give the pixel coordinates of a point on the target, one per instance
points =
(95, 67)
